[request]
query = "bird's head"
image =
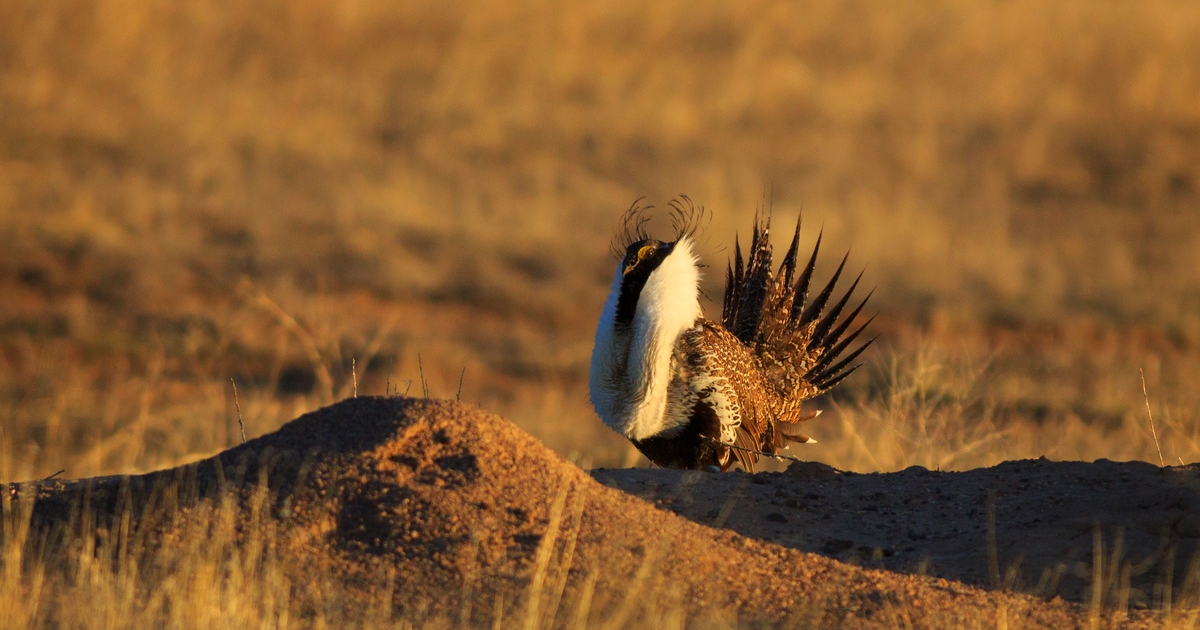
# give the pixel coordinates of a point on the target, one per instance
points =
(644, 256)
(642, 259)
(672, 262)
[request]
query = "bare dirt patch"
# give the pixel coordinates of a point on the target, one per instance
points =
(467, 516)
(1033, 526)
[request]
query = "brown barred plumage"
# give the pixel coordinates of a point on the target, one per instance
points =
(793, 344)
(739, 383)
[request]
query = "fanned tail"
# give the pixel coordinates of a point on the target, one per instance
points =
(744, 305)
(799, 343)
(753, 294)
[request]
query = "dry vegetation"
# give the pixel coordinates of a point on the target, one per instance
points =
(305, 197)
(453, 517)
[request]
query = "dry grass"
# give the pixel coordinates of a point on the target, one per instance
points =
(220, 563)
(272, 191)
(209, 577)
(941, 411)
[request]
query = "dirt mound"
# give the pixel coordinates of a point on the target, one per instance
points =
(468, 517)
(1034, 526)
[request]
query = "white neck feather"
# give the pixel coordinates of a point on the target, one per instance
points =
(631, 365)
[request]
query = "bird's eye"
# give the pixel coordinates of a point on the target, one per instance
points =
(645, 251)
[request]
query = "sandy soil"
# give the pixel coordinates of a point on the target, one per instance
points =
(463, 509)
(1041, 521)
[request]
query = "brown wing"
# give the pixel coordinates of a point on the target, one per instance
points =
(796, 344)
(723, 376)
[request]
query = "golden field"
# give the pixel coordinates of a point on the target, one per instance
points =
(314, 199)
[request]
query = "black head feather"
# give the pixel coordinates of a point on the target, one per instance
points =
(631, 228)
(687, 218)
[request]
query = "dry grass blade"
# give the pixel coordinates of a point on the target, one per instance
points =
(324, 379)
(541, 558)
(238, 406)
(469, 578)
(22, 609)
(498, 612)
(1153, 431)
(421, 373)
(634, 596)
(731, 502)
(567, 558)
(583, 607)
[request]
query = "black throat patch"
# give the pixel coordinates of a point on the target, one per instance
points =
(636, 275)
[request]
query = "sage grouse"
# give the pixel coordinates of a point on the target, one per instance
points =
(693, 393)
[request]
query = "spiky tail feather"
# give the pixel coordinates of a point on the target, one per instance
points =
(773, 313)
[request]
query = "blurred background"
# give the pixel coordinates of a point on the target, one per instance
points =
(315, 199)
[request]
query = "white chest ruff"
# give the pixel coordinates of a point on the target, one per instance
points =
(631, 370)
